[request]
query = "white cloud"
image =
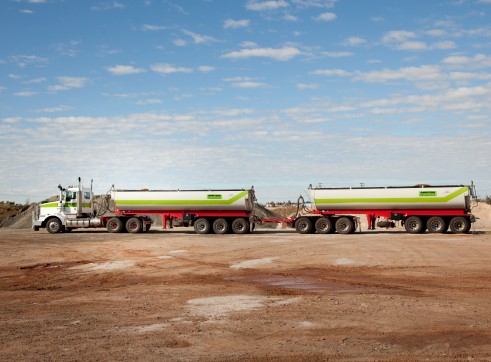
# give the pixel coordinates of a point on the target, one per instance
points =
(25, 94)
(199, 38)
(281, 54)
(235, 24)
(61, 108)
(325, 17)
(477, 61)
(447, 44)
(421, 73)
(248, 84)
(354, 41)
(337, 54)
(149, 27)
(144, 102)
(206, 68)
(412, 45)
(24, 60)
(397, 36)
(180, 42)
(108, 5)
(164, 68)
(314, 3)
(331, 72)
(266, 5)
(66, 83)
(304, 86)
(124, 70)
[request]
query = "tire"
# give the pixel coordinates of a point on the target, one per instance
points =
(303, 225)
(414, 225)
(345, 225)
(240, 226)
(220, 226)
(436, 224)
(324, 225)
(134, 225)
(460, 225)
(114, 225)
(54, 226)
(202, 226)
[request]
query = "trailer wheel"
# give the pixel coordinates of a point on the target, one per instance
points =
(54, 225)
(414, 225)
(240, 226)
(324, 225)
(345, 225)
(220, 226)
(202, 226)
(303, 225)
(114, 225)
(436, 224)
(134, 225)
(460, 225)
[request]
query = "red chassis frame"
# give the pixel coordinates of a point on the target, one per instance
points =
(371, 214)
(169, 215)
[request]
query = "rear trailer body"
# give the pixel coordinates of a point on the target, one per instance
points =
(218, 211)
(418, 208)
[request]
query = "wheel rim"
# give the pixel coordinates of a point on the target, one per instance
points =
(459, 225)
(201, 226)
(303, 226)
(343, 226)
(54, 226)
(413, 225)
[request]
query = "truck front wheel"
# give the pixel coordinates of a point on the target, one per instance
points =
(54, 225)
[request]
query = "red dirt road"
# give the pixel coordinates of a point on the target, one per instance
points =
(271, 295)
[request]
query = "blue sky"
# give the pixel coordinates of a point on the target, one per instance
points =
(278, 94)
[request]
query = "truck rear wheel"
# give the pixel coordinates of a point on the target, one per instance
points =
(460, 225)
(436, 224)
(414, 225)
(202, 226)
(303, 225)
(345, 225)
(324, 225)
(134, 225)
(240, 226)
(220, 226)
(114, 225)
(54, 225)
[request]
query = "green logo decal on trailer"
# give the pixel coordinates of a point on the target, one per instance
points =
(427, 193)
(214, 197)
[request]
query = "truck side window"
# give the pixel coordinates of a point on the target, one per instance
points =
(87, 195)
(70, 195)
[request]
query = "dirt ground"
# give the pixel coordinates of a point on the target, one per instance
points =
(272, 295)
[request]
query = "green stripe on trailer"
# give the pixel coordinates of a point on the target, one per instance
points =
(377, 200)
(211, 201)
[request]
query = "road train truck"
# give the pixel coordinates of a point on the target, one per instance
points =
(218, 211)
(418, 208)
